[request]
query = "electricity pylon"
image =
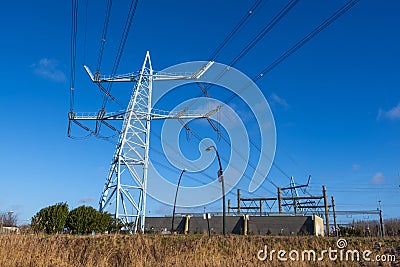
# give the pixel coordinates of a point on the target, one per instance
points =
(126, 184)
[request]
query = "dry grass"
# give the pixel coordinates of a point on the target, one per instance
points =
(190, 250)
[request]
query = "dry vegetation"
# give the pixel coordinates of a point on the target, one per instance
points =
(158, 250)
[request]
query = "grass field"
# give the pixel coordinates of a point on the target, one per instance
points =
(178, 250)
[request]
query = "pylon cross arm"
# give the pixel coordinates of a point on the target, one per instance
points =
(183, 114)
(157, 76)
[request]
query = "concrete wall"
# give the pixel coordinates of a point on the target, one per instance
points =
(233, 225)
(9, 230)
(258, 225)
(318, 226)
(281, 225)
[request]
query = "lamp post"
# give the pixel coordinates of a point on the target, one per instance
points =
(221, 180)
(176, 195)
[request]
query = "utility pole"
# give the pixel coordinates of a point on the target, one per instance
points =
(381, 220)
(326, 209)
(280, 200)
(381, 223)
(238, 201)
(334, 217)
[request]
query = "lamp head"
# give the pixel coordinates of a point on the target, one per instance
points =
(209, 148)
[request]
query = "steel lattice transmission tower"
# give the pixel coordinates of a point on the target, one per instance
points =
(126, 184)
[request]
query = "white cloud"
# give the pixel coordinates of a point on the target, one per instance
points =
(378, 178)
(278, 100)
(50, 69)
(392, 114)
(356, 167)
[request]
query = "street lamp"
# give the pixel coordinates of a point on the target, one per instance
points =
(176, 195)
(221, 180)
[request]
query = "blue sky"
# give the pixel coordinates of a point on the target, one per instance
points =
(336, 101)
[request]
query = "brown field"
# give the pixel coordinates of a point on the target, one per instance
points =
(178, 250)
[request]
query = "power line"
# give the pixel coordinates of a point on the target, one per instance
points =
(223, 158)
(124, 37)
(297, 46)
(74, 30)
(261, 154)
(307, 38)
(104, 36)
(282, 13)
(117, 60)
(198, 180)
(85, 31)
(265, 30)
(235, 29)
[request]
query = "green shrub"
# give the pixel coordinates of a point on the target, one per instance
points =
(51, 219)
(85, 220)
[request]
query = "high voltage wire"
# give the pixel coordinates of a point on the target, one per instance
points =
(307, 38)
(73, 54)
(191, 177)
(267, 28)
(283, 12)
(74, 30)
(124, 37)
(117, 60)
(198, 180)
(297, 46)
(264, 31)
(235, 29)
(85, 31)
(223, 158)
(104, 36)
(121, 47)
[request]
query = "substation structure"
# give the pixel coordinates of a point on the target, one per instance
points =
(295, 215)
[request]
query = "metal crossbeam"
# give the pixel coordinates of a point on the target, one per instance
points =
(156, 76)
(140, 115)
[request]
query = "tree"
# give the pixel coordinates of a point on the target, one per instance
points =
(85, 220)
(8, 219)
(51, 219)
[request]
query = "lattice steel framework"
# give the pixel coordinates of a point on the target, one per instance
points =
(125, 188)
(128, 171)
